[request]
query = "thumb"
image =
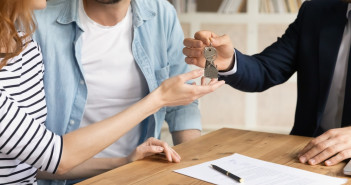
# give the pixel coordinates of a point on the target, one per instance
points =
(219, 41)
(192, 75)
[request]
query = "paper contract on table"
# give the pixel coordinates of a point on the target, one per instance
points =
(257, 172)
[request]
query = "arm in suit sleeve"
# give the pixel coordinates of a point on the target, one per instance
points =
(275, 65)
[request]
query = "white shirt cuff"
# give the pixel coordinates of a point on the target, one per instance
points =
(232, 71)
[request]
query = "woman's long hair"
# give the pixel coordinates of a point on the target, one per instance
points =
(15, 15)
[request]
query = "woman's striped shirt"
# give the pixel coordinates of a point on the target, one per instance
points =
(25, 143)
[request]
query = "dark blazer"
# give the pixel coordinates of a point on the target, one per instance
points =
(309, 47)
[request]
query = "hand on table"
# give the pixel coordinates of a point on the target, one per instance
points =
(194, 50)
(153, 146)
(331, 147)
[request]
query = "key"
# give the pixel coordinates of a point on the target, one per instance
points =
(210, 54)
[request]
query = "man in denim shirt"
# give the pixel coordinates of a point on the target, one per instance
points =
(102, 56)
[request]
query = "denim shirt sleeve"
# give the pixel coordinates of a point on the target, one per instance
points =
(181, 117)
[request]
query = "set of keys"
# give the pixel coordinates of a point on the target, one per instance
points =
(210, 54)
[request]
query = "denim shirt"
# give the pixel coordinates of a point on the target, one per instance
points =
(157, 49)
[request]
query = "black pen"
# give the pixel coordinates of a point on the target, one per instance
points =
(227, 173)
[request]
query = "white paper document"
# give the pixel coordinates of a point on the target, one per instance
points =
(256, 172)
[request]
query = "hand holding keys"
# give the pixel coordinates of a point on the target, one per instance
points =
(207, 47)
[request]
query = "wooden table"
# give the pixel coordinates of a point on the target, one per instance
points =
(276, 148)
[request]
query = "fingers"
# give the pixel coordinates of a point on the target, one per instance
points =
(345, 154)
(166, 150)
(176, 154)
(320, 152)
(204, 36)
(194, 56)
(216, 84)
(203, 90)
(195, 61)
(312, 144)
(176, 91)
(193, 52)
(191, 75)
(213, 81)
(219, 41)
(194, 49)
(193, 43)
(155, 149)
(203, 80)
(334, 144)
(170, 154)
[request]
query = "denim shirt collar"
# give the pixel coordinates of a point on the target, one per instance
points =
(141, 13)
(70, 13)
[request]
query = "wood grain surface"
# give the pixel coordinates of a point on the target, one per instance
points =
(276, 148)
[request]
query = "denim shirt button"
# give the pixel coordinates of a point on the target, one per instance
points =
(71, 122)
(82, 82)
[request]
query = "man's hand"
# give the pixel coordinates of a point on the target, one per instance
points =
(332, 147)
(153, 146)
(194, 49)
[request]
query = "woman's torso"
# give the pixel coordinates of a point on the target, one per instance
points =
(21, 81)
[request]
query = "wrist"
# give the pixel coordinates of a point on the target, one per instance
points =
(156, 99)
(230, 66)
(118, 162)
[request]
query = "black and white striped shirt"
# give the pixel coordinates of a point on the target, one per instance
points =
(25, 143)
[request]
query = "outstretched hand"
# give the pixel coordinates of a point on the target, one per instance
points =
(176, 91)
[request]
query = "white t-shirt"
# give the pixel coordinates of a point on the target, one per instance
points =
(113, 78)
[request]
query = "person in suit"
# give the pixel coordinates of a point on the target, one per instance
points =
(316, 46)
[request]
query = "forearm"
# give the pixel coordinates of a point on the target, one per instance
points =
(89, 168)
(84, 143)
(185, 135)
(184, 122)
(259, 72)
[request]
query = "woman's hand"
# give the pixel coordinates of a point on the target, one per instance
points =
(175, 91)
(154, 146)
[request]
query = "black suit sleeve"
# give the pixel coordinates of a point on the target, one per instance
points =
(275, 65)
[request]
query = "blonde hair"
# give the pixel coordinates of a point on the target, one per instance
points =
(15, 15)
